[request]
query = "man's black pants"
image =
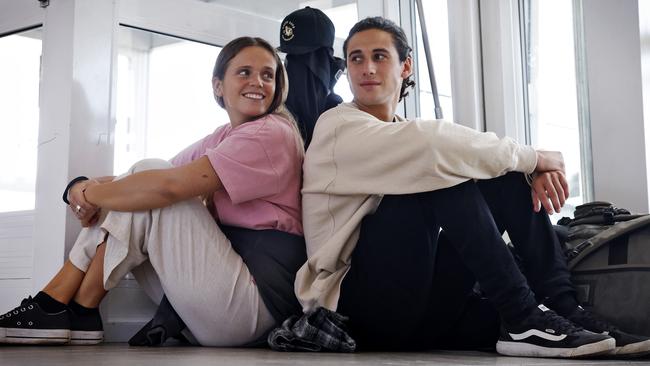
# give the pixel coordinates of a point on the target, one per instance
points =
(410, 288)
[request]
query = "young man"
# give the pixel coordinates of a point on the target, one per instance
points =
(376, 191)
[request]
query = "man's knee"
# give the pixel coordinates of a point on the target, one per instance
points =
(511, 184)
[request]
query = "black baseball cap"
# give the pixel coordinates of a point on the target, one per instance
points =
(306, 30)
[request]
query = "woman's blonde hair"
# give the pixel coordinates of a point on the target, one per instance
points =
(277, 106)
(283, 111)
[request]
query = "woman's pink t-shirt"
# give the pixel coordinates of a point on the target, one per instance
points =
(261, 171)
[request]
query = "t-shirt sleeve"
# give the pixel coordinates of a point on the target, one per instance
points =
(244, 163)
(197, 149)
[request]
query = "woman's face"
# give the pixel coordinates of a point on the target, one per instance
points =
(248, 85)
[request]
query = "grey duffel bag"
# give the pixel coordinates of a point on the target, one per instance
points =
(609, 262)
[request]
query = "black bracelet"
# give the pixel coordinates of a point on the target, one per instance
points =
(67, 188)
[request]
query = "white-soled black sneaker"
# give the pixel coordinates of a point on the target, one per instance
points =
(545, 334)
(627, 345)
(85, 329)
(29, 324)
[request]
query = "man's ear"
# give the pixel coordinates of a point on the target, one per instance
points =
(407, 67)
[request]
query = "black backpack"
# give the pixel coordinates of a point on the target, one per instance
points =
(608, 254)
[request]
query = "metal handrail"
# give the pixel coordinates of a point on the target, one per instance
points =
(427, 52)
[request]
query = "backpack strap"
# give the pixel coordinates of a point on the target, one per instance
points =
(589, 246)
(603, 218)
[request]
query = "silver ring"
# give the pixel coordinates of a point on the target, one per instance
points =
(78, 208)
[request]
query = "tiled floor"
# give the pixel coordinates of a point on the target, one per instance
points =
(122, 354)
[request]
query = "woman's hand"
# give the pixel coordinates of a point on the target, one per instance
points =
(549, 189)
(86, 212)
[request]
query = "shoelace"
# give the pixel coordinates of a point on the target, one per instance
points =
(560, 323)
(25, 305)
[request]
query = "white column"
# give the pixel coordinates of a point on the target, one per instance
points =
(75, 120)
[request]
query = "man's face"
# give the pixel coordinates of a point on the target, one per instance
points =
(375, 72)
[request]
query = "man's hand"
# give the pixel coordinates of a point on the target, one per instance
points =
(549, 161)
(549, 189)
(86, 212)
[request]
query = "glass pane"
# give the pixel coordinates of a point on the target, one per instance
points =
(551, 88)
(344, 16)
(277, 9)
(438, 32)
(20, 75)
(340, 11)
(164, 96)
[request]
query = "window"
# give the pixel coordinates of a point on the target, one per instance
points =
(552, 98)
(19, 116)
(164, 96)
(438, 33)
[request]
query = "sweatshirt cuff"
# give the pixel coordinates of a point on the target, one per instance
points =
(526, 159)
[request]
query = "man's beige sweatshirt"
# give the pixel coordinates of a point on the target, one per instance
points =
(354, 159)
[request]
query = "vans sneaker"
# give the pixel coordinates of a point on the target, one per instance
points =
(545, 334)
(29, 324)
(627, 345)
(85, 329)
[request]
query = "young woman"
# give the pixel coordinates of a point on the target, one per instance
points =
(231, 280)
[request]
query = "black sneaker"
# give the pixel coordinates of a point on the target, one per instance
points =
(546, 334)
(85, 329)
(166, 324)
(29, 324)
(627, 345)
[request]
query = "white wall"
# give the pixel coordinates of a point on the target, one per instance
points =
(644, 32)
(612, 46)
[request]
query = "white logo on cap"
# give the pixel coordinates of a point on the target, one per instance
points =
(287, 30)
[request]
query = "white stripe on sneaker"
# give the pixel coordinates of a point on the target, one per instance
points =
(536, 332)
(85, 337)
(34, 336)
(531, 350)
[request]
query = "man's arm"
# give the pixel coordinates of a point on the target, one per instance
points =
(354, 153)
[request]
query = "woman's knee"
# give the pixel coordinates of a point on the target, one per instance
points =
(149, 164)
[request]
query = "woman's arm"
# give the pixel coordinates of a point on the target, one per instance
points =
(154, 188)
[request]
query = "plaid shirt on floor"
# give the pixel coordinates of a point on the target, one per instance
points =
(317, 330)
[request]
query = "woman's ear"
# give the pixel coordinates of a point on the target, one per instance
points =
(217, 87)
(407, 67)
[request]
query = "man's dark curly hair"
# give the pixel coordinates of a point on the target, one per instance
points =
(399, 41)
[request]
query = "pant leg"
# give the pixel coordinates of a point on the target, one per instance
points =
(386, 292)
(460, 317)
(466, 219)
(148, 279)
(400, 294)
(84, 250)
(204, 279)
(532, 234)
